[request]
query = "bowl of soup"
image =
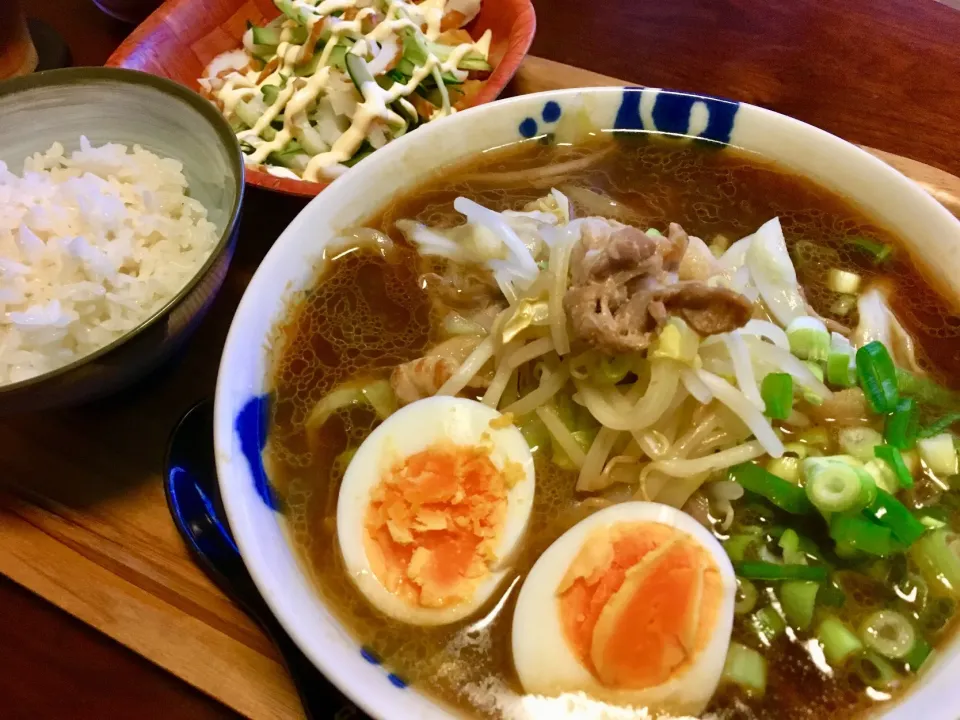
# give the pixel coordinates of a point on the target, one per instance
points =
(605, 402)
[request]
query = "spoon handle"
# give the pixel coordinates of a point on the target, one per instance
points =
(321, 700)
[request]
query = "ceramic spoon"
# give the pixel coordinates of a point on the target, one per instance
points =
(193, 495)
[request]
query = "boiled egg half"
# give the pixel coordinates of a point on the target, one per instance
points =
(433, 508)
(631, 606)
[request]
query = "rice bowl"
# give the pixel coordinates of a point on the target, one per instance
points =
(193, 150)
(93, 242)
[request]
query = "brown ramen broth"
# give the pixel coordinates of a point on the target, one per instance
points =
(366, 315)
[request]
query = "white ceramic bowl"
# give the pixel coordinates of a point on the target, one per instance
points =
(242, 386)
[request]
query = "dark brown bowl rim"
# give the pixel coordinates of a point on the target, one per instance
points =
(75, 76)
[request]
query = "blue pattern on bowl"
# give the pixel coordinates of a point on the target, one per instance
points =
(551, 111)
(673, 113)
(251, 426)
(528, 128)
(395, 680)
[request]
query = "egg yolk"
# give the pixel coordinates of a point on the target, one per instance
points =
(432, 523)
(638, 603)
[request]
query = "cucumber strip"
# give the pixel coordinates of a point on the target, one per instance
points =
(270, 93)
(471, 61)
(338, 58)
(298, 35)
(357, 70)
(414, 47)
(266, 35)
(264, 52)
(293, 160)
(310, 67)
(474, 62)
(406, 68)
(364, 150)
(404, 108)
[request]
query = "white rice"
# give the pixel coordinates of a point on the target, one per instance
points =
(91, 245)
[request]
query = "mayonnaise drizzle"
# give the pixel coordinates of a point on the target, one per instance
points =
(298, 94)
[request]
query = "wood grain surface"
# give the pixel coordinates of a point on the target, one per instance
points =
(78, 672)
(82, 520)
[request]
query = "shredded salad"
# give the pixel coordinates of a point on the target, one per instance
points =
(326, 83)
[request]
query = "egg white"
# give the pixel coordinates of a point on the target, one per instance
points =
(548, 666)
(408, 431)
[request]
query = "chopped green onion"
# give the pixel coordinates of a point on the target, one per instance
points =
(937, 614)
(841, 365)
(809, 339)
(937, 555)
(789, 542)
(933, 520)
(800, 450)
(834, 485)
(816, 437)
(778, 491)
(843, 305)
(842, 281)
(809, 395)
(767, 624)
(912, 589)
(901, 427)
(940, 425)
(797, 599)
(877, 250)
(831, 595)
(786, 467)
(758, 570)
(891, 513)
(939, 454)
(857, 532)
(894, 459)
(878, 377)
(883, 475)
(888, 633)
(745, 667)
(736, 546)
(746, 597)
(918, 655)
(874, 671)
(926, 390)
(838, 641)
(859, 442)
(777, 393)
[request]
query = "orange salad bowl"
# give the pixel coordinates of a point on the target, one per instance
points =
(181, 38)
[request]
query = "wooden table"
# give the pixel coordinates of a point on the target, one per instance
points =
(878, 72)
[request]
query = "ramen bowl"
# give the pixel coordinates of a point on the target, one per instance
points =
(122, 106)
(244, 386)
